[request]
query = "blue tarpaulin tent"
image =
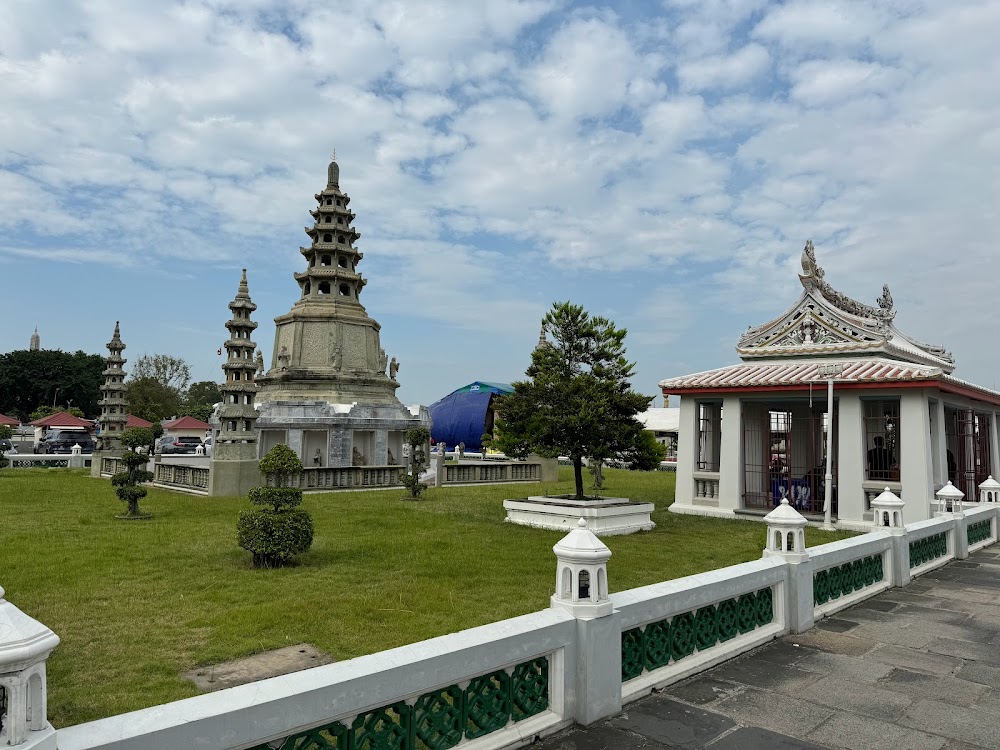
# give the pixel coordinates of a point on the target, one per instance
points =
(464, 415)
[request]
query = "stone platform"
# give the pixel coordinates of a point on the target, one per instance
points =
(606, 516)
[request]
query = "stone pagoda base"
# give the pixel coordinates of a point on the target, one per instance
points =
(608, 516)
(233, 478)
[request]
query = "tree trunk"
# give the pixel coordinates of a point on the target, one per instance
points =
(578, 476)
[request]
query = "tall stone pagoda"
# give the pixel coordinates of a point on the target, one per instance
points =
(36, 342)
(113, 403)
(327, 394)
(237, 413)
(234, 455)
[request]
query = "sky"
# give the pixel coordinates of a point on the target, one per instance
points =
(659, 163)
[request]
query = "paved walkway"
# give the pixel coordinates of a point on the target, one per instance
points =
(916, 668)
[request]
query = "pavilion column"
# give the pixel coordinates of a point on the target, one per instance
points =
(939, 446)
(915, 469)
(730, 454)
(687, 451)
(994, 448)
(850, 457)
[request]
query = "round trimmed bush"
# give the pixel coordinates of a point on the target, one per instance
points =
(274, 537)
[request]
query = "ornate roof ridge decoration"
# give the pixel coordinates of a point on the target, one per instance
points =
(813, 276)
(824, 321)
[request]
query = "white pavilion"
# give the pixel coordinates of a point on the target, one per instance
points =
(757, 432)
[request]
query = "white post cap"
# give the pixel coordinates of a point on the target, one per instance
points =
(950, 492)
(23, 640)
(785, 517)
(581, 545)
(990, 484)
(888, 500)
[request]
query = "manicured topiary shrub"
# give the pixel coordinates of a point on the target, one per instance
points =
(126, 483)
(416, 439)
(277, 530)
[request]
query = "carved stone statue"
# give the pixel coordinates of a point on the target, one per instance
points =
(318, 458)
(383, 360)
(808, 331)
(356, 458)
(259, 361)
(283, 357)
(338, 359)
(392, 458)
(393, 368)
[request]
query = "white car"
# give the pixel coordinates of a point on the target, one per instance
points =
(208, 445)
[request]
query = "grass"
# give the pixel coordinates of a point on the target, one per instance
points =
(138, 603)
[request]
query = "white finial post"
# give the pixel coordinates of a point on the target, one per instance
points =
(785, 533)
(949, 500)
(25, 644)
(989, 490)
(582, 573)
(887, 512)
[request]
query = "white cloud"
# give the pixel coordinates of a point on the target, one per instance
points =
(729, 71)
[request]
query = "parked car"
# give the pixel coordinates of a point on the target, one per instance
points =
(62, 441)
(177, 444)
(7, 448)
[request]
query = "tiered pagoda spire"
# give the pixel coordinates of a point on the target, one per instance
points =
(237, 414)
(332, 259)
(114, 405)
(36, 342)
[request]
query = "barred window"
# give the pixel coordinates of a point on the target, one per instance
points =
(881, 439)
(709, 436)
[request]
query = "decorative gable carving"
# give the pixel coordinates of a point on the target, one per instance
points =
(825, 321)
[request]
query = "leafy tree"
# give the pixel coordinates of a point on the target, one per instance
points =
(277, 530)
(577, 400)
(172, 372)
(417, 438)
(156, 386)
(151, 400)
(126, 483)
(201, 393)
(32, 379)
(646, 454)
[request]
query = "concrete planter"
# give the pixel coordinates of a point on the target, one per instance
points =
(606, 516)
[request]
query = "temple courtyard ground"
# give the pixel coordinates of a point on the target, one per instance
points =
(910, 669)
(139, 604)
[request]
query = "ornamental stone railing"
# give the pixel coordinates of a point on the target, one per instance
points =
(491, 473)
(345, 478)
(706, 485)
(504, 684)
(48, 461)
(191, 478)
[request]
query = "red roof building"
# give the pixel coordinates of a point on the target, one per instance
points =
(63, 420)
(186, 427)
(134, 421)
(9, 421)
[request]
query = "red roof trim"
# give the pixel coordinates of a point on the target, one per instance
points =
(9, 421)
(943, 386)
(134, 421)
(186, 423)
(62, 419)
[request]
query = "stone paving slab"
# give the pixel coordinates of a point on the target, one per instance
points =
(910, 669)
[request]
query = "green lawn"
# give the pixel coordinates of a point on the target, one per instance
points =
(137, 603)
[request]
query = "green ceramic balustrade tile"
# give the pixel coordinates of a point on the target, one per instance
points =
(529, 689)
(437, 719)
(487, 704)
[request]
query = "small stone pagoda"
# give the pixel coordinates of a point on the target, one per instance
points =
(328, 394)
(113, 403)
(234, 455)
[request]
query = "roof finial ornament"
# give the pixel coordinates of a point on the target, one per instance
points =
(885, 301)
(333, 156)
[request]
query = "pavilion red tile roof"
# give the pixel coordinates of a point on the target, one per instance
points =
(9, 421)
(134, 421)
(796, 374)
(63, 419)
(186, 423)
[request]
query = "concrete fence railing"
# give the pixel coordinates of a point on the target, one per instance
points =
(501, 685)
(51, 461)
